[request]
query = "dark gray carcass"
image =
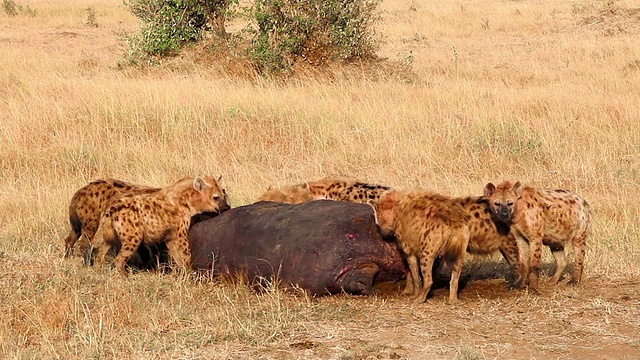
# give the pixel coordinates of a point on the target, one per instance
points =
(324, 247)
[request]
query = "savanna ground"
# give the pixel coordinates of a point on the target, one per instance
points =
(545, 92)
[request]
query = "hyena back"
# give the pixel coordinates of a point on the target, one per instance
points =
(555, 218)
(346, 189)
(159, 217)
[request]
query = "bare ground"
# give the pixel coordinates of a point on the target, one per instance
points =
(598, 319)
(73, 312)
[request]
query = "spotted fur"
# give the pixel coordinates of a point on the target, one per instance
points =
(88, 203)
(160, 217)
(427, 226)
(346, 189)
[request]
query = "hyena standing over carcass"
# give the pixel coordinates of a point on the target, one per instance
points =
(556, 218)
(88, 203)
(427, 226)
(159, 217)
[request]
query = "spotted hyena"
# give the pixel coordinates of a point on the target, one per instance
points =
(292, 194)
(346, 189)
(161, 217)
(556, 218)
(89, 202)
(487, 234)
(427, 226)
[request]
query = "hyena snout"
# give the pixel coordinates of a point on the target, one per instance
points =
(504, 213)
(223, 206)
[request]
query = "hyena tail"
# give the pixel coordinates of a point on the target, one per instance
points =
(74, 234)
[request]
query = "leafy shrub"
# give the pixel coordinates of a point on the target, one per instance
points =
(167, 25)
(280, 32)
(285, 31)
(12, 9)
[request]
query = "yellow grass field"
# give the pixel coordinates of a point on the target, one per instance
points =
(545, 92)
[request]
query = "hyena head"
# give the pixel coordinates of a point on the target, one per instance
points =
(208, 196)
(503, 199)
(383, 211)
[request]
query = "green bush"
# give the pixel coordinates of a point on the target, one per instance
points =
(285, 31)
(280, 32)
(10, 7)
(168, 25)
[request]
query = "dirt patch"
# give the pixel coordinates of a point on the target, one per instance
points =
(598, 319)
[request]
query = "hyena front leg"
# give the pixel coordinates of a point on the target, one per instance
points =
(179, 247)
(413, 278)
(510, 251)
(535, 258)
(523, 255)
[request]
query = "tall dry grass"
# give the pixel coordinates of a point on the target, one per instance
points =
(532, 91)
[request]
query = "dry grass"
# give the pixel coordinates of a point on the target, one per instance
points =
(541, 91)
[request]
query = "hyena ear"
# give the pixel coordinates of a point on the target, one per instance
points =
(199, 184)
(219, 178)
(270, 188)
(518, 189)
(489, 189)
(373, 207)
(306, 186)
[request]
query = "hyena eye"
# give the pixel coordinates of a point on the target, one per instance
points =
(216, 197)
(497, 203)
(509, 203)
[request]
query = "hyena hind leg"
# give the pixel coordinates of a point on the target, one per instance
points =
(579, 247)
(129, 247)
(561, 264)
(426, 267)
